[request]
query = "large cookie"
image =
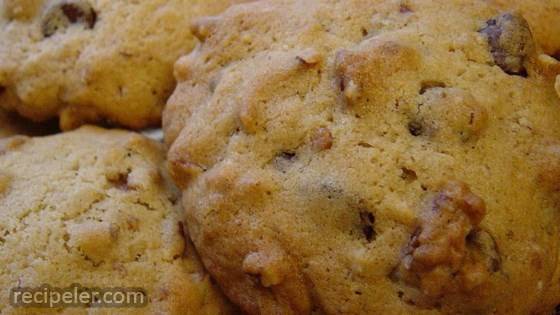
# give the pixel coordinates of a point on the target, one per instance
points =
(371, 157)
(94, 60)
(93, 207)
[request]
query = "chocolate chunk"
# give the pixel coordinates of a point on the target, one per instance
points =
(511, 42)
(408, 175)
(415, 128)
(368, 221)
(65, 13)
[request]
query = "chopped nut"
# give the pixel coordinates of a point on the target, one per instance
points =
(182, 170)
(322, 139)
(448, 253)
(511, 42)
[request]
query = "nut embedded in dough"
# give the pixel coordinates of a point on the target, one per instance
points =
(511, 42)
(440, 258)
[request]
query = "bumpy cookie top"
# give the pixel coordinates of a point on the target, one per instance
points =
(94, 60)
(371, 157)
(94, 207)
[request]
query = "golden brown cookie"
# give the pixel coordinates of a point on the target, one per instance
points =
(94, 61)
(371, 157)
(94, 207)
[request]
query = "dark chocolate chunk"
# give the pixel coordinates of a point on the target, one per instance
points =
(65, 13)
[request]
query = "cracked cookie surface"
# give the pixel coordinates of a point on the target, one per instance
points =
(94, 61)
(313, 141)
(95, 207)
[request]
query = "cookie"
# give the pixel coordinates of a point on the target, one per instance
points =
(371, 157)
(91, 61)
(544, 18)
(94, 207)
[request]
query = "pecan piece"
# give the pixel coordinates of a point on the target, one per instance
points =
(511, 42)
(448, 253)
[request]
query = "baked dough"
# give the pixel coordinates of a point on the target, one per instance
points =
(371, 157)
